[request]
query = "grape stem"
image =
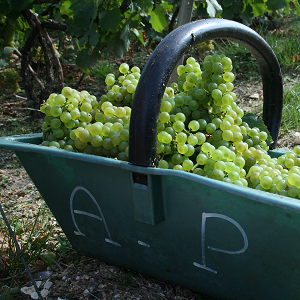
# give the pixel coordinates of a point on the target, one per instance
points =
(194, 167)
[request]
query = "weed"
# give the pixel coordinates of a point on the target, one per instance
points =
(291, 109)
(33, 238)
(104, 68)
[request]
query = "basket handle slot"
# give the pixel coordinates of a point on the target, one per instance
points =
(155, 76)
(140, 178)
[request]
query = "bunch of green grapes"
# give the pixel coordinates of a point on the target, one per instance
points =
(201, 130)
(202, 122)
(205, 46)
(200, 127)
(120, 91)
(9, 78)
(76, 121)
(7, 31)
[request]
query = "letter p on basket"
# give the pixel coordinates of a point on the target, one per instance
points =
(205, 216)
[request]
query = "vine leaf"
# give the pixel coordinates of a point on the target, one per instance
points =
(213, 8)
(139, 35)
(254, 121)
(110, 19)
(158, 19)
(88, 61)
(297, 5)
(85, 13)
(20, 4)
(145, 5)
(120, 41)
(65, 8)
(259, 8)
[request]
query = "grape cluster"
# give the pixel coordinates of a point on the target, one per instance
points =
(205, 46)
(9, 78)
(77, 121)
(200, 127)
(7, 31)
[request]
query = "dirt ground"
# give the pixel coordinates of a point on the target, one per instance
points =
(87, 278)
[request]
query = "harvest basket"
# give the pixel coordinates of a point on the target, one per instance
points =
(221, 239)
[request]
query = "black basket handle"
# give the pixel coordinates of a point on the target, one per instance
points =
(153, 81)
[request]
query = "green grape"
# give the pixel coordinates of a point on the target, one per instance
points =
(124, 68)
(60, 100)
(229, 167)
(210, 128)
(191, 78)
(178, 167)
(85, 136)
(201, 159)
(216, 154)
(296, 150)
(227, 64)
(227, 135)
(79, 144)
(201, 138)
(220, 165)
(181, 138)
(116, 139)
(193, 105)
(192, 140)
(207, 147)
(180, 117)
(233, 176)
(177, 159)
(217, 174)
(182, 148)
(55, 123)
(187, 165)
(164, 117)
(178, 126)
(292, 191)
(266, 182)
(56, 111)
(87, 107)
(217, 67)
(193, 125)
(58, 133)
(191, 150)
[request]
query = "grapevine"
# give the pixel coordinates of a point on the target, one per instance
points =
(200, 127)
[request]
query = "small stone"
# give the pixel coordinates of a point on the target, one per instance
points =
(77, 278)
(101, 286)
(34, 295)
(47, 285)
(27, 290)
(254, 96)
(44, 292)
(86, 291)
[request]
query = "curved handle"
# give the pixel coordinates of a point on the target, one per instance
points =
(153, 81)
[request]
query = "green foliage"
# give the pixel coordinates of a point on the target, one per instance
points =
(244, 11)
(291, 109)
(97, 26)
